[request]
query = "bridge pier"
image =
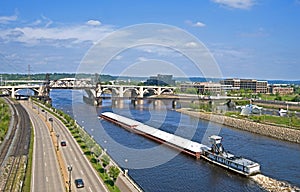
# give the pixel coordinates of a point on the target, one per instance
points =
(13, 92)
(97, 101)
(174, 104)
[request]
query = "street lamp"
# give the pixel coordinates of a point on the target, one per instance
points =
(70, 173)
(51, 120)
(57, 135)
(126, 170)
(45, 115)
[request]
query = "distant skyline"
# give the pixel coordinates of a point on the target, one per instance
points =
(248, 38)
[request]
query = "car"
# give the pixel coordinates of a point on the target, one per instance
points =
(63, 143)
(79, 183)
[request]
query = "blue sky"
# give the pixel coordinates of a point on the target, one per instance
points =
(248, 38)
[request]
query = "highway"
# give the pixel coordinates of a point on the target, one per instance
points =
(45, 170)
(71, 155)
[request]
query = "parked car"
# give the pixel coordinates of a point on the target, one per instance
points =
(79, 183)
(63, 143)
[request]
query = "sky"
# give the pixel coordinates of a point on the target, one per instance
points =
(245, 38)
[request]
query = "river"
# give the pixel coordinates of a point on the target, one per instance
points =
(158, 168)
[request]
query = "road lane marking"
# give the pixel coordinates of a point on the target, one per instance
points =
(46, 179)
(44, 153)
(75, 159)
(90, 189)
(81, 172)
(45, 164)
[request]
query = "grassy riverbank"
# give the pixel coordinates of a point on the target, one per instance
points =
(246, 124)
(291, 121)
(5, 116)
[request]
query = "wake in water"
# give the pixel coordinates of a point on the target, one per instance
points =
(273, 185)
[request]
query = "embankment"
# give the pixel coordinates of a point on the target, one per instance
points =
(277, 132)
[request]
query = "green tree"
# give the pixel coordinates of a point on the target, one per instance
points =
(105, 160)
(278, 97)
(296, 98)
(97, 151)
(177, 90)
(191, 91)
(114, 172)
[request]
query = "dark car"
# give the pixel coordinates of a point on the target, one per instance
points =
(79, 183)
(63, 143)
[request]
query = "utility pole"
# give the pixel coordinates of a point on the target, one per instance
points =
(28, 71)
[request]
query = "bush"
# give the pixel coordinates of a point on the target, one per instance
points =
(296, 98)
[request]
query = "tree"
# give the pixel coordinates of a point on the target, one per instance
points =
(278, 97)
(114, 172)
(105, 160)
(191, 91)
(296, 98)
(97, 151)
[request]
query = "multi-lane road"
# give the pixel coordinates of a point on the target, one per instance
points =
(46, 175)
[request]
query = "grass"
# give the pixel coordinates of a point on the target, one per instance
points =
(291, 121)
(273, 97)
(5, 116)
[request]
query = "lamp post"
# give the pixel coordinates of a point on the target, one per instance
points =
(126, 170)
(45, 115)
(51, 120)
(57, 135)
(70, 173)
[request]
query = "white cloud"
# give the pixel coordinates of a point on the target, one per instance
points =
(142, 59)
(93, 22)
(196, 24)
(36, 35)
(237, 4)
(7, 19)
(191, 45)
(199, 24)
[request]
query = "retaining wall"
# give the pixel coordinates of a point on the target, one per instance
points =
(278, 132)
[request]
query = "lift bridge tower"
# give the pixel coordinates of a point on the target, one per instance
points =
(44, 91)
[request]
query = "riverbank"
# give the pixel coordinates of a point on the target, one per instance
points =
(277, 132)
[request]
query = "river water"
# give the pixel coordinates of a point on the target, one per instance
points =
(158, 168)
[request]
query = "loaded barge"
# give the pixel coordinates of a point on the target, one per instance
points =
(215, 154)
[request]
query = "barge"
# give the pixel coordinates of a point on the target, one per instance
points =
(214, 154)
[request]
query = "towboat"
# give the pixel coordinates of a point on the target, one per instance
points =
(217, 155)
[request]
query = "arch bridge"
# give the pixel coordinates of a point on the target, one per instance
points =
(94, 91)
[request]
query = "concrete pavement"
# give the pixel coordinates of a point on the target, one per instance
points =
(45, 170)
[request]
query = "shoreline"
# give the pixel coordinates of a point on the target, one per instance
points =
(282, 133)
